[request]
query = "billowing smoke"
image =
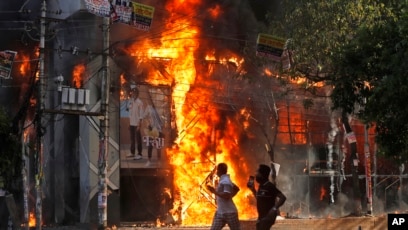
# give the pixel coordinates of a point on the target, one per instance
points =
(330, 145)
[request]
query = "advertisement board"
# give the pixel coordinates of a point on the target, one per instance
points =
(270, 46)
(6, 63)
(145, 125)
(129, 12)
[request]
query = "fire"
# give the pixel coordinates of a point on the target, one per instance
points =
(304, 81)
(236, 61)
(25, 65)
(77, 74)
(295, 125)
(268, 72)
(31, 220)
(323, 192)
(215, 11)
(298, 80)
(122, 83)
(206, 136)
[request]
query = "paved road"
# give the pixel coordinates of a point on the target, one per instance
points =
(364, 222)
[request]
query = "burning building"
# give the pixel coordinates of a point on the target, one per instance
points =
(214, 102)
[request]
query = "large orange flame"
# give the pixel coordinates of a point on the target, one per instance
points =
(77, 75)
(31, 220)
(323, 192)
(25, 64)
(122, 83)
(205, 137)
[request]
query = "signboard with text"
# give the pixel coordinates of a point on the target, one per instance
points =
(6, 63)
(129, 12)
(270, 46)
(143, 16)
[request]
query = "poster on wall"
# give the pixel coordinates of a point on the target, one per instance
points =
(145, 126)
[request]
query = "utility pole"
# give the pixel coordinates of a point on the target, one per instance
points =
(369, 187)
(104, 129)
(24, 170)
(39, 125)
(351, 139)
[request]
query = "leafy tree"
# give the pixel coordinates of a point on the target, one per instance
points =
(318, 29)
(372, 72)
(10, 154)
(318, 32)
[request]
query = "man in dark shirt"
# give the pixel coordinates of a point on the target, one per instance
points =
(268, 198)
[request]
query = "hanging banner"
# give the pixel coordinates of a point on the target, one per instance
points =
(6, 63)
(142, 16)
(270, 46)
(101, 8)
(122, 11)
(129, 12)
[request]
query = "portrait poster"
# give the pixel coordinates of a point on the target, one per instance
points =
(154, 126)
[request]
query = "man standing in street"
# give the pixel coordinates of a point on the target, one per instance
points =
(268, 198)
(227, 212)
(135, 108)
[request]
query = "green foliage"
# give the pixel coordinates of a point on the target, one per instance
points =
(360, 49)
(10, 153)
(373, 68)
(318, 29)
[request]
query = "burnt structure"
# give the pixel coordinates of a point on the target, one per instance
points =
(314, 172)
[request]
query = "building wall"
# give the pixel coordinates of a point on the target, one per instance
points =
(71, 144)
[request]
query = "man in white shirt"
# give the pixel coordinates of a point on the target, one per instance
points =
(135, 108)
(227, 212)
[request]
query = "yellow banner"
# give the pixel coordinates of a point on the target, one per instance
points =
(143, 10)
(272, 41)
(270, 46)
